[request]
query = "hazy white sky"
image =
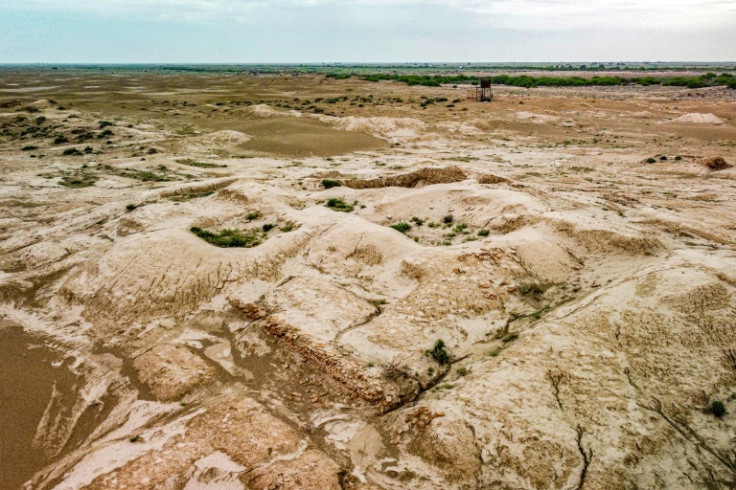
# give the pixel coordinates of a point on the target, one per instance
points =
(220, 31)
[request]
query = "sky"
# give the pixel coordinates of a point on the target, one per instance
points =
(310, 31)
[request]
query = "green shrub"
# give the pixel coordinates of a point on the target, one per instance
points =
(286, 228)
(228, 238)
(496, 351)
(651, 160)
(60, 139)
(71, 152)
(532, 288)
(130, 207)
(252, 215)
(448, 219)
(339, 205)
(402, 227)
(268, 227)
(143, 175)
(510, 337)
(439, 353)
(484, 232)
(78, 180)
(717, 408)
(462, 371)
(193, 163)
(329, 184)
(29, 148)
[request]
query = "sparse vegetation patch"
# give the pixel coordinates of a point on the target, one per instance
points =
(439, 352)
(228, 238)
(339, 205)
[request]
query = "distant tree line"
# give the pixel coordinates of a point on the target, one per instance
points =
(528, 81)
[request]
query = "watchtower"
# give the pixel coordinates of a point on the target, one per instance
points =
(484, 90)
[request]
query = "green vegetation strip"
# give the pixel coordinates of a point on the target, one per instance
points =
(528, 81)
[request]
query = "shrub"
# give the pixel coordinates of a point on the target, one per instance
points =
(339, 205)
(528, 288)
(60, 139)
(228, 238)
(462, 371)
(418, 221)
(193, 163)
(104, 124)
(510, 337)
(77, 181)
(439, 353)
(393, 371)
(717, 408)
(286, 228)
(448, 219)
(252, 215)
(484, 232)
(130, 207)
(495, 352)
(29, 148)
(402, 227)
(651, 160)
(268, 227)
(329, 184)
(71, 152)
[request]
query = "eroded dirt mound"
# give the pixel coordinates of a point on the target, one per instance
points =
(696, 118)
(423, 176)
(491, 179)
(716, 163)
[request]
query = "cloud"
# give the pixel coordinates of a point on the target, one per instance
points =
(366, 30)
(527, 14)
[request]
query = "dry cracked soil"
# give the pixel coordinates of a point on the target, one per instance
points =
(241, 281)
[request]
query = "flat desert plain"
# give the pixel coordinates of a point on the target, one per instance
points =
(289, 281)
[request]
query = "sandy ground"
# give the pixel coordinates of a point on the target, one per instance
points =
(574, 249)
